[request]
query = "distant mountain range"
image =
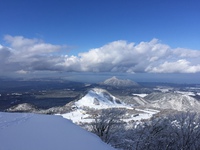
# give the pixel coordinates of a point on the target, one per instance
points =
(112, 93)
(115, 82)
(97, 98)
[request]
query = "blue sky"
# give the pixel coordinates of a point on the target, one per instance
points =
(71, 27)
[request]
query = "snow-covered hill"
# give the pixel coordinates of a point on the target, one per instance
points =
(98, 98)
(173, 101)
(24, 107)
(44, 132)
(115, 82)
(85, 109)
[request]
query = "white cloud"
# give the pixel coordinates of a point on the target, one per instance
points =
(186, 53)
(32, 55)
(120, 56)
(180, 66)
(24, 47)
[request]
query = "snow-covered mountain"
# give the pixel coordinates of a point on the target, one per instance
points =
(97, 98)
(90, 105)
(22, 131)
(173, 101)
(115, 82)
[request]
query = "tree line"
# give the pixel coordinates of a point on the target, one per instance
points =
(177, 131)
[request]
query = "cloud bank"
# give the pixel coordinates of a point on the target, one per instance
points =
(25, 55)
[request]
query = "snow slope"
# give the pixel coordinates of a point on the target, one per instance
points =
(173, 101)
(99, 99)
(22, 131)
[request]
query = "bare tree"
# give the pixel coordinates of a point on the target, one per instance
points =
(186, 129)
(106, 123)
(173, 132)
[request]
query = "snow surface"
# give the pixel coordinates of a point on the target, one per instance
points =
(23, 131)
(78, 116)
(99, 99)
(145, 114)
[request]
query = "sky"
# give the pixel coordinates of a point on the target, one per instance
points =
(150, 39)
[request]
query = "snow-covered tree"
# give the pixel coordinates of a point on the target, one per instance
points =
(179, 131)
(107, 123)
(186, 131)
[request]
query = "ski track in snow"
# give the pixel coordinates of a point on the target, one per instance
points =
(7, 120)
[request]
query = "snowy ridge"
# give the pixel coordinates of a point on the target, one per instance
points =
(173, 101)
(99, 99)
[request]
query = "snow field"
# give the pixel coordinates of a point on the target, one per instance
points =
(20, 131)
